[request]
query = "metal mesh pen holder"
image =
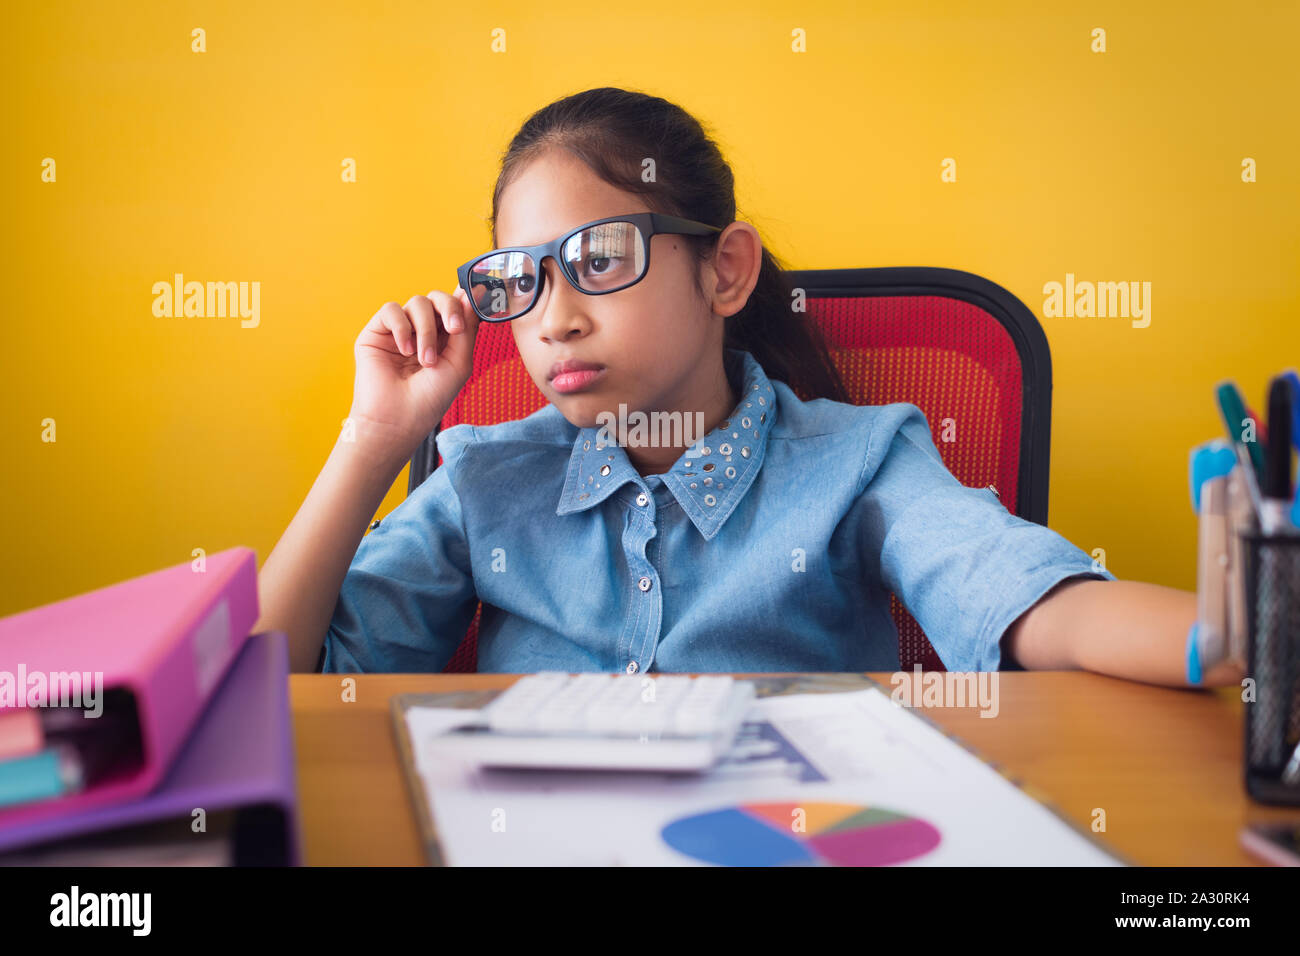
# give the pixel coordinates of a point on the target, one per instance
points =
(1272, 593)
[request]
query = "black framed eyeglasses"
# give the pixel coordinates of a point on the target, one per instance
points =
(597, 258)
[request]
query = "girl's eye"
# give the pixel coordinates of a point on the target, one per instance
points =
(599, 264)
(522, 285)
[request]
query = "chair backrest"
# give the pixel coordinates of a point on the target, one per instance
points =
(964, 350)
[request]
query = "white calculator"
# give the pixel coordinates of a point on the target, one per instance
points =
(604, 722)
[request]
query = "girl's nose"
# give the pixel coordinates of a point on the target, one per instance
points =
(562, 309)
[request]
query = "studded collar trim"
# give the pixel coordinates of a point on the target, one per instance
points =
(709, 479)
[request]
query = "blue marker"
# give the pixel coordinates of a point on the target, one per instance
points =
(1291, 376)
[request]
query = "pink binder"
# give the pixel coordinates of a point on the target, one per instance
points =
(240, 757)
(167, 638)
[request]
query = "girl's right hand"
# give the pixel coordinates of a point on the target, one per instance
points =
(412, 361)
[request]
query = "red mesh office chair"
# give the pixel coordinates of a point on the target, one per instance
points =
(955, 345)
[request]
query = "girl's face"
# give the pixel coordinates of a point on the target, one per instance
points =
(659, 342)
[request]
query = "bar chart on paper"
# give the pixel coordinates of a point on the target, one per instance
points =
(807, 834)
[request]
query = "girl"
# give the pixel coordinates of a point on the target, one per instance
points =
(770, 543)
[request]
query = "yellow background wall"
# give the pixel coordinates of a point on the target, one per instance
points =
(176, 433)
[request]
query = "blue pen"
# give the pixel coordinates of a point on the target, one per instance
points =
(1291, 376)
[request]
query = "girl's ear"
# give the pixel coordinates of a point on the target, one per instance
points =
(735, 265)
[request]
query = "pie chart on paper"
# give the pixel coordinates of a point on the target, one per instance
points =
(824, 834)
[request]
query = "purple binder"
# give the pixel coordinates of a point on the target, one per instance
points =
(239, 758)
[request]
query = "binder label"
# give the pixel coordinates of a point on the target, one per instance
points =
(212, 646)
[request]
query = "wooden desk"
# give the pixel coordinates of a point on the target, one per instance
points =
(1164, 763)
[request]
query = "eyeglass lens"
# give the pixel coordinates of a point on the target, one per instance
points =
(600, 258)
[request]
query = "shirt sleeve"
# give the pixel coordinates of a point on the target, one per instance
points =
(409, 592)
(960, 562)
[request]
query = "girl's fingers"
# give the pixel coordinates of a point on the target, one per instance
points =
(422, 315)
(425, 325)
(467, 313)
(451, 317)
(392, 317)
(450, 311)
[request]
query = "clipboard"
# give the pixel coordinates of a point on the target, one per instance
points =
(814, 683)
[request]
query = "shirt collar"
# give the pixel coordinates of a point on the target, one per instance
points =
(709, 479)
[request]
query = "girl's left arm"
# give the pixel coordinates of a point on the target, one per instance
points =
(1128, 629)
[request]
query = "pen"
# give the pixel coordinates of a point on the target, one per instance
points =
(1291, 376)
(1233, 410)
(1275, 490)
(1261, 427)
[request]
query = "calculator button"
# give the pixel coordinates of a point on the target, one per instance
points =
(564, 713)
(513, 709)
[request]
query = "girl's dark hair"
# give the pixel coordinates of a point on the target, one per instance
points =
(613, 131)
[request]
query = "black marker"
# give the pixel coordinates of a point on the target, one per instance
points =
(1275, 492)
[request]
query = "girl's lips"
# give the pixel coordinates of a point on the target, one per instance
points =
(567, 382)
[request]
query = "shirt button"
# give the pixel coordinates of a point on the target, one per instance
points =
(644, 584)
(631, 667)
(642, 500)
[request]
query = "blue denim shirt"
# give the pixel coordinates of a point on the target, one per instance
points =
(771, 545)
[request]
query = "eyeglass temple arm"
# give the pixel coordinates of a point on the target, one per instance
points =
(689, 227)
